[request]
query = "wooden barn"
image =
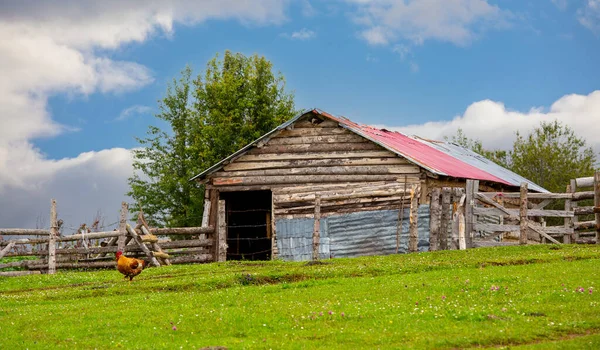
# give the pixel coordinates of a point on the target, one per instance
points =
(365, 186)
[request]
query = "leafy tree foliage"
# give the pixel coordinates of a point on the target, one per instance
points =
(201, 121)
(550, 155)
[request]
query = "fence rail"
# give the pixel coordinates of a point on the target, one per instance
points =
(513, 217)
(460, 218)
(53, 251)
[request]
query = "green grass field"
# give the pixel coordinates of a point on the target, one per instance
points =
(518, 297)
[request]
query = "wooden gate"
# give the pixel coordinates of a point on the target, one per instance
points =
(465, 217)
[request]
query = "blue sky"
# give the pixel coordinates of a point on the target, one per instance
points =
(541, 54)
(82, 79)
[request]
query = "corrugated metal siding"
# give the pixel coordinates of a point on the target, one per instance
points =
(350, 235)
(423, 227)
(294, 239)
(363, 233)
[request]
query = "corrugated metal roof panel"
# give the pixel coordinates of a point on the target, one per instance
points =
(418, 152)
(438, 157)
(479, 161)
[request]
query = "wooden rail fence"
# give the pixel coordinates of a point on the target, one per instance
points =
(139, 240)
(462, 217)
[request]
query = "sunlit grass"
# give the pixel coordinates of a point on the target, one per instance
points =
(538, 296)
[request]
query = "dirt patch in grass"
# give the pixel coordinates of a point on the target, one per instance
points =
(512, 262)
(317, 262)
(564, 337)
(248, 279)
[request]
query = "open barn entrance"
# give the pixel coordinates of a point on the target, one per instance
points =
(248, 225)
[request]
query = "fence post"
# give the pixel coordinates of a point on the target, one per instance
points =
(568, 221)
(52, 238)
(122, 227)
(274, 249)
(434, 221)
(205, 212)
(446, 218)
(400, 217)
(574, 204)
(597, 204)
(221, 239)
(523, 214)
(472, 187)
(413, 239)
(317, 228)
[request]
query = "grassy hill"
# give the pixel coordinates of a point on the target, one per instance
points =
(533, 296)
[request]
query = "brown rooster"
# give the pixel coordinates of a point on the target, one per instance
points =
(130, 267)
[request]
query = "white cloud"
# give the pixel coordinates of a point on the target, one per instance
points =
(65, 47)
(589, 16)
(81, 186)
(455, 21)
(402, 50)
(302, 34)
(132, 111)
(495, 125)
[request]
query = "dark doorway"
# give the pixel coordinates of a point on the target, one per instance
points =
(248, 225)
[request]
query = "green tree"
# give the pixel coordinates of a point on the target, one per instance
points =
(238, 100)
(204, 120)
(167, 159)
(551, 155)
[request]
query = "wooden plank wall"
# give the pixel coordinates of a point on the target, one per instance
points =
(350, 172)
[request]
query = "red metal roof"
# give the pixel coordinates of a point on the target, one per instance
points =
(418, 152)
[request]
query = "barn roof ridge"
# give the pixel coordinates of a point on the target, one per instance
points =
(438, 157)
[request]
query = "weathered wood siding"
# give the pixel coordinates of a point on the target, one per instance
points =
(350, 172)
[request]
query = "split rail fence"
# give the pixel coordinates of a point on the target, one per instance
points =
(466, 218)
(460, 218)
(50, 251)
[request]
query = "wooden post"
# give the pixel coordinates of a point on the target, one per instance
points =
(205, 212)
(213, 220)
(472, 187)
(457, 194)
(523, 214)
(317, 228)
(435, 209)
(221, 240)
(6, 249)
(568, 221)
(52, 238)
(155, 247)
(574, 205)
(400, 217)
(458, 237)
(274, 250)
(445, 218)
(123, 227)
(414, 217)
(142, 245)
(597, 204)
